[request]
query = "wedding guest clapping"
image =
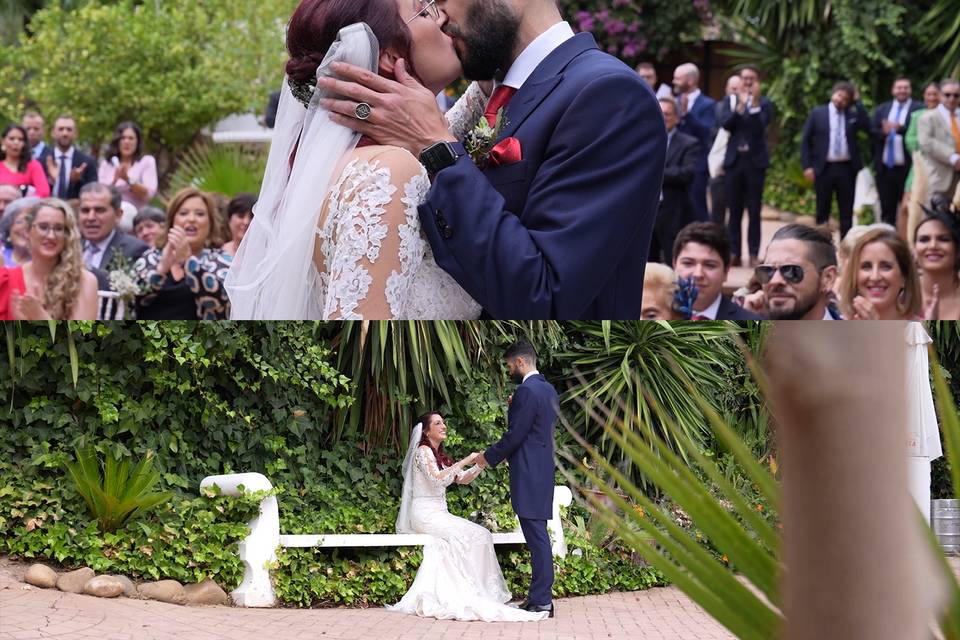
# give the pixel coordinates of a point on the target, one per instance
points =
(56, 285)
(184, 275)
(127, 168)
(880, 281)
(936, 242)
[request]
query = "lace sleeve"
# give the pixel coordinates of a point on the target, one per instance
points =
(470, 475)
(427, 465)
(369, 242)
(466, 113)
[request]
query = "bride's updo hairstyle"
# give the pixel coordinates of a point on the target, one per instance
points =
(315, 24)
(443, 460)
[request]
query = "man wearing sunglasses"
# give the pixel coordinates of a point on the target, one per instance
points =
(798, 274)
(939, 135)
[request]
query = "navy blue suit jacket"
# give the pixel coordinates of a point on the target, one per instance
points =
(883, 112)
(676, 210)
(747, 128)
(563, 233)
(730, 310)
(816, 137)
(700, 123)
(528, 447)
(89, 173)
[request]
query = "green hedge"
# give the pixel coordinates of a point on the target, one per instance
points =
(787, 190)
(229, 398)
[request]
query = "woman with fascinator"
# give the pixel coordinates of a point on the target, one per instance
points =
(460, 578)
(336, 233)
(937, 248)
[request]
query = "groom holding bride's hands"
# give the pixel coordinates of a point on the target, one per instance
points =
(528, 448)
(555, 221)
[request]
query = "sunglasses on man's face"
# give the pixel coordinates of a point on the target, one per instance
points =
(792, 273)
(951, 95)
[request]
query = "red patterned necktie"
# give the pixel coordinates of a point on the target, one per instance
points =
(699, 317)
(501, 96)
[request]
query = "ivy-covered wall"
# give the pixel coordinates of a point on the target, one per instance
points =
(220, 398)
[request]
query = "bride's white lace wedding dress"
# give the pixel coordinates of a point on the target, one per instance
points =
(371, 260)
(460, 577)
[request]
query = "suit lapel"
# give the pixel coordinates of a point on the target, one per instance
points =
(672, 147)
(543, 81)
(108, 252)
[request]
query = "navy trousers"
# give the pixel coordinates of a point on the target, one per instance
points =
(541, 560)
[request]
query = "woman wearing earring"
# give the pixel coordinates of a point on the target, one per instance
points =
(880, 281)
(18, 167)
(53, 285)
(937, 247)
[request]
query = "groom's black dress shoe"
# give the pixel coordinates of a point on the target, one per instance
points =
(537, 608)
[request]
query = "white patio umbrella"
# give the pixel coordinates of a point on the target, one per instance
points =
(923, 433)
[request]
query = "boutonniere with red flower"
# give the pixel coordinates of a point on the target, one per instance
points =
(481, 144)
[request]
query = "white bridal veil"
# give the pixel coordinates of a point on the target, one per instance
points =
(403, 518)
(272, 276)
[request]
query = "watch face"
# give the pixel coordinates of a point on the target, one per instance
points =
(437, 157)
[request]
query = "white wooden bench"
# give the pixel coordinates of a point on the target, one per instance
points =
(258, 550)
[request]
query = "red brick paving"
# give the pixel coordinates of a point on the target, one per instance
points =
(29, 613)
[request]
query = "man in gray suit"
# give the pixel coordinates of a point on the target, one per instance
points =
(99, 216)
(939, 136)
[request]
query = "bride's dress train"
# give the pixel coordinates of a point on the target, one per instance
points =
(460, 577)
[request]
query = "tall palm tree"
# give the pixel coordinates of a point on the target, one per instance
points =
(623, 365)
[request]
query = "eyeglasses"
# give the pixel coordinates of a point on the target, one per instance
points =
(428, 9)
(792, 273)
(951, 95)
(58, 230)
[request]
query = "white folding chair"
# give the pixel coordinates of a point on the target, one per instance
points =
(110, 306)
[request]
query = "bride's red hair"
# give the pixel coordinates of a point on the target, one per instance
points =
(443, 460)
(315, 24)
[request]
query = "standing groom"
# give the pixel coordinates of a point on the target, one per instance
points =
(528, 447)
(557, 219)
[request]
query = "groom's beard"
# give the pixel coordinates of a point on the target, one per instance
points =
(517, 378)
(489, 39)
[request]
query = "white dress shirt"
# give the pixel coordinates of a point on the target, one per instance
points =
(899, 156)
(711, 311)
(535, 53)
(838, 120)
(692, 100)
(530, 373)
(39, 149)
(664, 92)
(945, 114)
(96, 260)
(67, 167)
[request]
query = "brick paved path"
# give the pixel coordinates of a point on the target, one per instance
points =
(28, 613)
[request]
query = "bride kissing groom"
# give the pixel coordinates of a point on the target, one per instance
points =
(460, 577)
(549, 215)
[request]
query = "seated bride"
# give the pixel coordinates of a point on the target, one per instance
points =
(336, 233)
(460, 578)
